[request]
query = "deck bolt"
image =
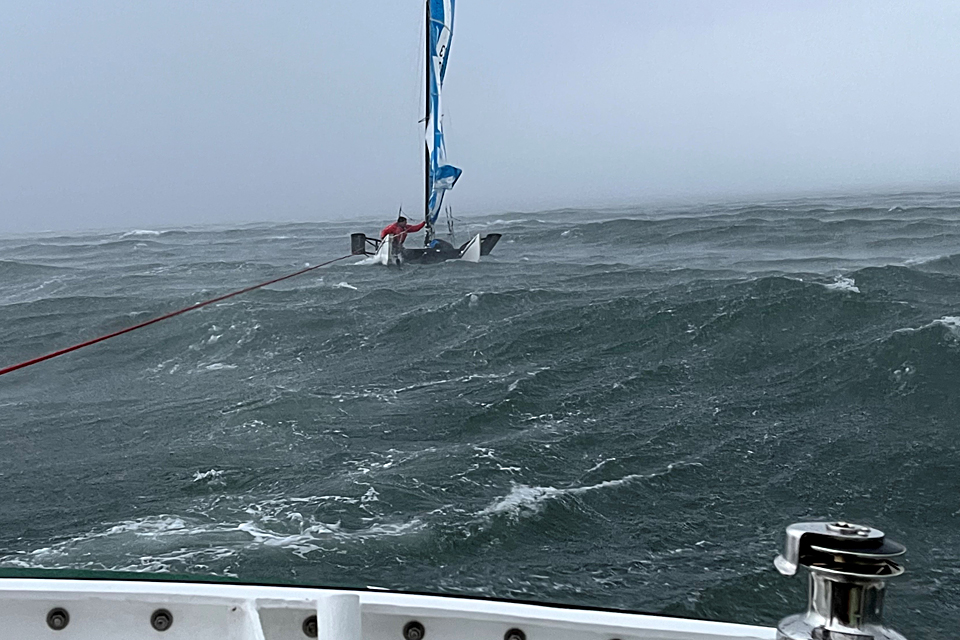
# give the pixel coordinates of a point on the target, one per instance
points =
(413, 630)
(58, 619)
(310, 626)
(515, 634)
(161, 620)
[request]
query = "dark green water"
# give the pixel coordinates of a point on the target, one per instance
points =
(621, 408)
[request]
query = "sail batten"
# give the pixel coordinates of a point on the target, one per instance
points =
(440, 176)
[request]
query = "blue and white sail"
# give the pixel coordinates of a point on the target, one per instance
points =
(440, 176)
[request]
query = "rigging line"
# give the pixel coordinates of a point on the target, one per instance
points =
(166, 316)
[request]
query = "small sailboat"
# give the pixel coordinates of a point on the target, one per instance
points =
(439, 176)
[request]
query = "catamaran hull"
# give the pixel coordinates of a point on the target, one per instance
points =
(388, 253)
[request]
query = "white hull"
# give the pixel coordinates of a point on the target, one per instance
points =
(390, 253)
(471, 252)
(386, 255)
(108, 610)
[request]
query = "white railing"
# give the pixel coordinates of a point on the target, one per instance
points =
(129, 610)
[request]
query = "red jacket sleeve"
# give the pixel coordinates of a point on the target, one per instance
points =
(392, 228)
(413, 228)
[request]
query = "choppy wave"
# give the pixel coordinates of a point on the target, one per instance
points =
(211, 537)
(14, 270)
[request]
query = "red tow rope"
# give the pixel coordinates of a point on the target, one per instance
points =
(163, 317)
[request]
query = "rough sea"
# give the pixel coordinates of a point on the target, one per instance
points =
(620, 408)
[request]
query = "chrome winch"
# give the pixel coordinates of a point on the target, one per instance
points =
(849, 565)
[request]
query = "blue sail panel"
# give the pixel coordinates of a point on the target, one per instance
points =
(442, 176)
(446, 176)
(441, 33)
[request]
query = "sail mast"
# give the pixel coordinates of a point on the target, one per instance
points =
(426, 120)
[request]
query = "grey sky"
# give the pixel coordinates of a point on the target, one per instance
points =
(154, 113)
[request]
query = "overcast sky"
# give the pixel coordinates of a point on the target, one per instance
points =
(148, 113)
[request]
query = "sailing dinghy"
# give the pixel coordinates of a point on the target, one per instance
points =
(439, 176)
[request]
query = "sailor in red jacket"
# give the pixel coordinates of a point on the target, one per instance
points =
(400, 229)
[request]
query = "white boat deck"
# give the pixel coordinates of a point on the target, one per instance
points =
(108, 610)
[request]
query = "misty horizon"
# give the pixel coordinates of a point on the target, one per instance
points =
(155, 116)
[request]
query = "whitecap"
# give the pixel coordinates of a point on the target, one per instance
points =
(344, 285)
(524, 500)
(843, 283)
(920, 261)
(140, 232)
(950, 323)
(219, 366)
(192, 543)
(214, 476)
(521, 499)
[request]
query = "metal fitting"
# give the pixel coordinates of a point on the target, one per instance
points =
(849, 565)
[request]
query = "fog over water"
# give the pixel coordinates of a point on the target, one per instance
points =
(151, 114)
